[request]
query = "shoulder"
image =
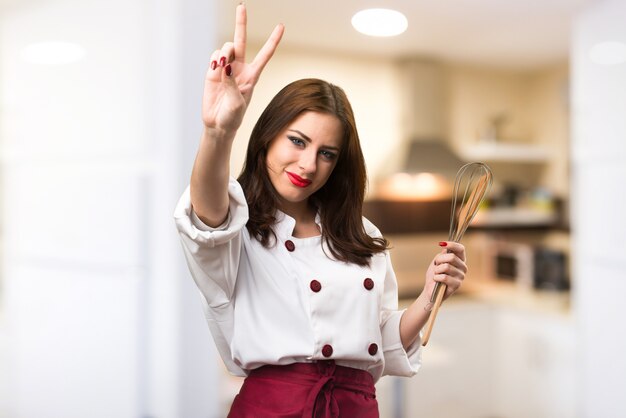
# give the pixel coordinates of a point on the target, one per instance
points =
(371, 229)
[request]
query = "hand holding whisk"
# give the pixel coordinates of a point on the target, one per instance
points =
(471, 184)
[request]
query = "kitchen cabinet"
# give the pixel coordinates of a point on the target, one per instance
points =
(535, 365)
(491, 357)
(408, 217)
(455, 379)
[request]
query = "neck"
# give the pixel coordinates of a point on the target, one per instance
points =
(300, 211)
(304, 215)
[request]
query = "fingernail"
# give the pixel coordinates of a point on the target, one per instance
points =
(222, 61)
(443, 244)
(213, 65)
(228, 70)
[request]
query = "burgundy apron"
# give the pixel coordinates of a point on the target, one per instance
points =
(306, 390)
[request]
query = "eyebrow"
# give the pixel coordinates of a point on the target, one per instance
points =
(309, 140)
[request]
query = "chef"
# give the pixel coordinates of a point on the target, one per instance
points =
(298, 288)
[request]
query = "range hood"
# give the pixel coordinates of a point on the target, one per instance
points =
(415, 195)
(423, 119)
(431, 156)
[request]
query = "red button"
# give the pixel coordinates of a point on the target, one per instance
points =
(327, 350)
(372, 349)
(368, 283)
(315, 286)
(290, 245)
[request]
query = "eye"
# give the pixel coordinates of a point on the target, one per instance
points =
(328, 155)
(296, 141)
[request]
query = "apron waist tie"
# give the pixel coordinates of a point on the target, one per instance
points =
(325, 377)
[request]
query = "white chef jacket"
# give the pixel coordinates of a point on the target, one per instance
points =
(292, 302)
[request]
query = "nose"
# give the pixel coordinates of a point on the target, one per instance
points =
(308, 160)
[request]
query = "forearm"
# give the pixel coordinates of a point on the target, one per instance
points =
(414, 319)
(209, 177)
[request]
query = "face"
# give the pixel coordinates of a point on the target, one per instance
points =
(302, 157)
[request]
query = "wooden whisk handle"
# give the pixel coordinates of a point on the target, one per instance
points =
(440, 291)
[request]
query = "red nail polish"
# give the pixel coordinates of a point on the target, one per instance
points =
(213, 65)
(443, 244)
(228, 70)
(222, 61)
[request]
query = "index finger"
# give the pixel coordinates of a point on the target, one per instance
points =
(454, 247)
(266, 52)
(241, 20)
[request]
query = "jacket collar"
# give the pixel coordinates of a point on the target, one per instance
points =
(285, 224)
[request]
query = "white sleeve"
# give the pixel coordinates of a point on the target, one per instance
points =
(398, 361)
(213, 253)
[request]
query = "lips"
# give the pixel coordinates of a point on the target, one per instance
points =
(297, 180)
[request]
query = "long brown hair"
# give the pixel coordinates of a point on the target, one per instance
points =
(340, 201)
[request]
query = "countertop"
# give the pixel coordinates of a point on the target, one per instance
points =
(509, 295)
(514, 296)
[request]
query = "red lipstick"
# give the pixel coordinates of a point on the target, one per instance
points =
(297, 180)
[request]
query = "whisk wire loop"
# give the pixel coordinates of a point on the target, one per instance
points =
(474, 180)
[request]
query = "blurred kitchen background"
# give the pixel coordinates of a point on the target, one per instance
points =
(99, 122)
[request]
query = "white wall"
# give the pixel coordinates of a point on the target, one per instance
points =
(599, 204)
(101, 315)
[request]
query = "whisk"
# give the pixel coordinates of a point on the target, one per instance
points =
(472, 182)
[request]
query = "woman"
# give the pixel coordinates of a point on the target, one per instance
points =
(297, 287)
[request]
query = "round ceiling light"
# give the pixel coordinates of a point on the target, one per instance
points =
(52, 53)
(380, 22)
(608, 53)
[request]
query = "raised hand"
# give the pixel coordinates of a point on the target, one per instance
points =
(229, 81)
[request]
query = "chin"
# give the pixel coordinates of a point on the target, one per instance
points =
(292, 195)
(294, 198)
